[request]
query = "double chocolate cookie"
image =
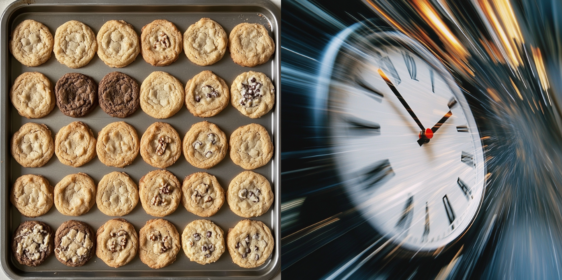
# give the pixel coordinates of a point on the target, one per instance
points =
(119, 95)
(76, 94)
(33, 243)
(75, 243)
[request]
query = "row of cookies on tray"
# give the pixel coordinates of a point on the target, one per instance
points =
(160, 95)
(250, 243)
(117, 43)
(160, 192)
(117, 145)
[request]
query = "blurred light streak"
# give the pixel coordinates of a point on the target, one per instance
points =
(539, 63)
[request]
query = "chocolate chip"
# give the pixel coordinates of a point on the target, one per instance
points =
(155, 236)
(208, 154)
(253, 80)
(204, 248)
(211, 248)
(163, 249)
(197, 98)
(248, 250)
(196, 236)
(257, 257)
(209, 233)
(209, 199)
(256, 236)
(207, 256)
(212, 137)
(197, 144)
(243, 193)
(237, 245)
(247, 239)
(256, 248)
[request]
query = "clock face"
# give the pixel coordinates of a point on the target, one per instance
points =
(422, 195)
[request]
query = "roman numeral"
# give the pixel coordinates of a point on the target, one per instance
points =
(375, 94)
(467, 158)
(452, 103)
(388, 67)
(462, 128)
(426, 227)
(449, 210)
(464, 189)
(376, 174)
(363, 127)
(432, 80)
(407, 214)
(411, 65)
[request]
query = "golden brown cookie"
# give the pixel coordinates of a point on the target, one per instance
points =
(253, 94)
(250, 44)
(75, 144)
(250, 146)
(250, 243)
(32, 195)
(117, 194)
(161, 95)
(75, 44)
(32, 145)
(203, 241)
(160, 145)
(159, 243)
(206, 94)
(160, 193)
(249, 194)
(31, 43)
(75, 194)
(118, 43)
(202, 194)
(204, 145)
(118, 144)
(205, 42)
(33, 96)
(161, 42)
(117, 242)
(75, 243)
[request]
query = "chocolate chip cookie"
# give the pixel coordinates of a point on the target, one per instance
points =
(161, 95)
(32, 195)
(119, 95)
(250, 146)
(75, 144)
(253, 94)
(118, 144)
(75, 243)
(75, 194)
(160, 193)
(160, 145)
(75, 44)
(249, 194)
(118, 43)
(206, 94)
(117, 194)
(205, 42)
(161, 42)
(117, 242)
(32, 145)
(77, 94)
(202, 194)
(159, 243)
(33, 243)
(32, 95)
(204, 145)
(31, 43)
(250, 243)
(250, 44)
(203, 241)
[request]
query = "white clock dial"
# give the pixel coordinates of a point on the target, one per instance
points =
(422, 196)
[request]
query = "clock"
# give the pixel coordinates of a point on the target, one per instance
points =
(403, 139)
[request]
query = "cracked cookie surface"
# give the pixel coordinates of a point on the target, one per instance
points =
(75, 144)
(77, 94)
(160, 193)
(160, 145)
(118, 43)
(32, 145)
(205, 42)
(32, 195)
(249, 194)
(32, 243)
(117, 194)
(162, 95)
(204, 145)
(31, 43)
(203, 241)
(159, 243)
(161, 42)
(75, 243)
(250, 146)
(119, 95)
(250, 243)
(32, 95)
(206, 94)
(252, 94)
(75, 194)
(250, 44)
(202, 194)
(117, 242)
(118, 144)
(75, 44)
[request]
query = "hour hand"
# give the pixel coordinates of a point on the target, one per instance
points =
(429, 132)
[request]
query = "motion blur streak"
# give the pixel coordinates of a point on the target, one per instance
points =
(507, 59)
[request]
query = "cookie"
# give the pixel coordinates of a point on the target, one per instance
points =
(32, 95)
(160, 145)
(75, 44)
(117, 194)
(250, 243)
(204, 145)
(31, 43)
(250, 44)
(33, 243)
(118, 43)
(77, 94)
(32, 145)
(161, 42)
(250, 146)
(118, 144)
(119, 95)
(117, 242)
(161, 95)
(75, 243)
(249, 194)
(159, 243)
(253, 94)
(202, 194)
(203, 241)
(160, 193)
(32, 195)
(75, 194)
(206, 94)
(205, 42)
(75, 144)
